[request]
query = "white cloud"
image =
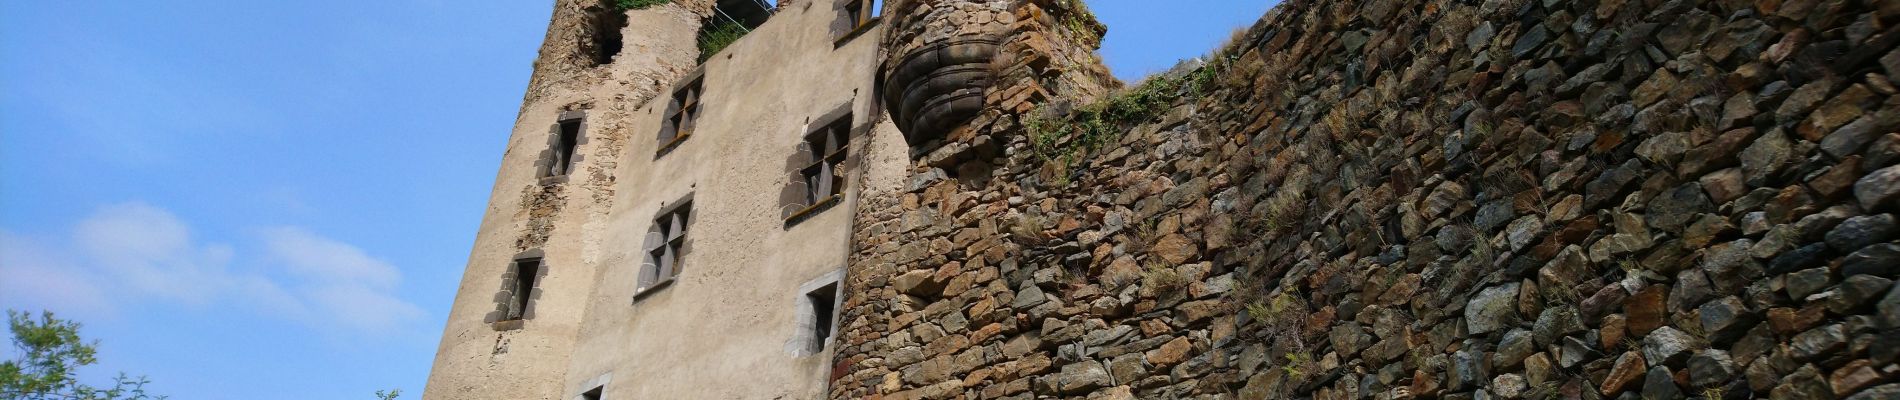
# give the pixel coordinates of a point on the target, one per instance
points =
(339, 282)
(33, 277)
(360, 308)
(313, 257)
(151, 251)
(128, 254)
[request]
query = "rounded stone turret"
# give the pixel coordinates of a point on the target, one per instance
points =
(939, 66)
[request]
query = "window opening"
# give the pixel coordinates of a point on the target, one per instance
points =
(526, 272)
(853, 16)
(822, 178)
(666, 244)
(564, 146)
(681, 121)
(862, 12)
(823, 306)
(854, 11)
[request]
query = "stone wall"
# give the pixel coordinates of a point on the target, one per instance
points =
(1395, 199)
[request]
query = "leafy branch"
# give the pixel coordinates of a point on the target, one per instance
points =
(51, 353)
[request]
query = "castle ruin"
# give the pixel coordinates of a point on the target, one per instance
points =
(1352, 199)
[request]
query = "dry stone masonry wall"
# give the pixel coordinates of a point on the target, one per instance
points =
(1395, 199)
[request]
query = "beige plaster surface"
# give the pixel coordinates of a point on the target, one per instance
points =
(730, 326)
(474, 359)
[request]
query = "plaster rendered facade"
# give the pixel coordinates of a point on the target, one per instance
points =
(739, 308)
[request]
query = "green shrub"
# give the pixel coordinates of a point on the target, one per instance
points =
(715, 36)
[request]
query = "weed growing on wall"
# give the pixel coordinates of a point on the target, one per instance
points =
(624, 5)
(1091, 126)
(1080, 21)
(1065, 139)
(1162, 279)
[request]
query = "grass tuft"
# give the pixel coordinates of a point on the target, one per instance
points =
(1293, 363)
(1164, 280)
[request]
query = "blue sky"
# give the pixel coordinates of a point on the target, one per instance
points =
(275, 200)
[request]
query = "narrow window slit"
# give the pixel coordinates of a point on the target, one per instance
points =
(823, 306)
(564, 148)
(526, 272)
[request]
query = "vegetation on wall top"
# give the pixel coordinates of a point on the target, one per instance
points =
(1066, 138)
(716, 35)
(624, 5)
(1080, 21)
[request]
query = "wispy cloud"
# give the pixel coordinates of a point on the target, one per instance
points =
(152, 252)
(34, 277)
(338, 282)
(137, 254)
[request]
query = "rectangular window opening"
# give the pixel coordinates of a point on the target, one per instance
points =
(666, 245)
(853, 17)
(862, 12)
(564, 146)
(854, 10)
(823, 178)
(526, 271)
(681, 116)
(823, 302)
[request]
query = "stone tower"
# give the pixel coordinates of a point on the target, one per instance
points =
(671, 217)
(551, 191)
